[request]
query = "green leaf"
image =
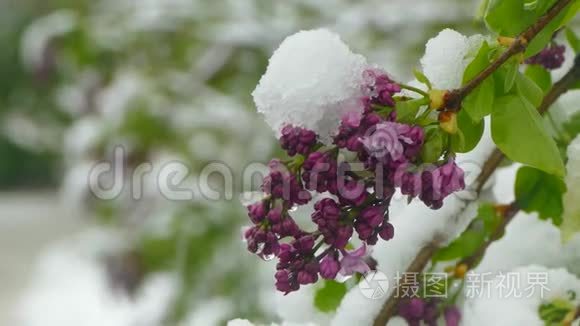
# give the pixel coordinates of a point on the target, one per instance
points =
(422, 78)
(407, 110)
(542, 7)
(518, 130)
(531, 5)
(328, 298)
(529, 90)
(480, 230)
(433, 147)
(469, 134)
(538, 191)
(546, 34)
(510, 77)
(571, 13)
(481, 10)
(499, 77)
(572, 126)
(541, 76)
(510, 17)
(573, 40)
(480, 62)
(479, 103)
(554, 312)
(466, 244)
(491, 220)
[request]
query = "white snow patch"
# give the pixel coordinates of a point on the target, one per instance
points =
(37, 36)
(70, 287)
(312, 79)
(245, 322)
(500, 309)
(83, 136)
(527, 239)
(446, 57)
(114, 100)
(210, 312)
(298, 307)
(240, 322)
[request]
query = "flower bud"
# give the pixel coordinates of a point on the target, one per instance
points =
(452, 316)
(372, 216)
(388, 231)
(437, 97)
(412, 309)
(460, 271)
(448, 122)
(304, 244)
(305, 277)
(257, 212)
(329, 267)
(501, 210)
(275, 215)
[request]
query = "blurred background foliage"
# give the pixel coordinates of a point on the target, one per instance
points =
(171, 80)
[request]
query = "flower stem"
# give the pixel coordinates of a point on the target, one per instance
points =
(414, 89)
(318, 245)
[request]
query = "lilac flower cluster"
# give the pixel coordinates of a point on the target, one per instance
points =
(393, 143)
(353, 204)
(282, 184)
(432, 183)
(551, 57)
(297, 140)
(380, 87)
(417, 310)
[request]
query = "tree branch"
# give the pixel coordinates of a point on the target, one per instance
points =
(424, 256)
(417, 266)
(562, 86)
(454, 97)
(574, 317)
(508, 212)
(489, 167)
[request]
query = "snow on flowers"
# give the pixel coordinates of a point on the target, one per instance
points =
(336, 117)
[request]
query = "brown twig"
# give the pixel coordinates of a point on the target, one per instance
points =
(575, 316)
(417, 266)
(562, 86)
(489, 167)
(424, 256)
(454, 97)
(508, 212)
